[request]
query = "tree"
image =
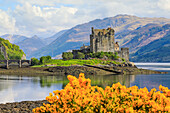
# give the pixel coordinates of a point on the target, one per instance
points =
(67, 55)
(34, 61)
(45, 59)
(80, 55)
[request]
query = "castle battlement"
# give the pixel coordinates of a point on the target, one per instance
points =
(102, 40)
(102, 32)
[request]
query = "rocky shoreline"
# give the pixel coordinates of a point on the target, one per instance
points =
(21, 107)
(75, 70)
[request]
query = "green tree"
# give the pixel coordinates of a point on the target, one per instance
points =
(67, 55)
(2, 56)
(34, 61)
(12, 50)
(80, 55)
(45, 59)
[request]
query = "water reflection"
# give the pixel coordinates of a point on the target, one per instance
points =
(99, 80)
(23, 88)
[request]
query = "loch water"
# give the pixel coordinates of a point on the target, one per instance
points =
(18, 88)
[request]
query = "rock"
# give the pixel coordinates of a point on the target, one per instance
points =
(20, 107)
(131, 64)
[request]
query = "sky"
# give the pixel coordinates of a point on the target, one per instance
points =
(44, 18)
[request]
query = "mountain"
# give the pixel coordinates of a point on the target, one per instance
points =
(13, 38)
(30, 45)
(157, 50)
(76, 36)
(54, 37)
(142, 36)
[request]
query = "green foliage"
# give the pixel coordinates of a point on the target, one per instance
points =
(45, 59)
(67, 55)
(60, 62)
(35, 61)
(115, 56)
(80, 55)
(13, 50)
(109, 55)
(1, 56)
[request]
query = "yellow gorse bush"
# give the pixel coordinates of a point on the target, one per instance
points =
(80, 96)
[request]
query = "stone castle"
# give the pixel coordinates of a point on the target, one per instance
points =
(103, 40)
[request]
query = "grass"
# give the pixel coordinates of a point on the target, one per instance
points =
(72, 62)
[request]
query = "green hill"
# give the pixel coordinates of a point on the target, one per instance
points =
(156, 51)
(13, 51)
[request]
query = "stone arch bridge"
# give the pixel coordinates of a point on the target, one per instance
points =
(14, 62)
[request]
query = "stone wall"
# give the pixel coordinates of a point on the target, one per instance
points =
(85, 51)
(125, 53)
(102, 40)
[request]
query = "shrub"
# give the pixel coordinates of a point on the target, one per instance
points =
(45, 59)
(34, 61)
(80, 55)
(67, 55)
(80, 96)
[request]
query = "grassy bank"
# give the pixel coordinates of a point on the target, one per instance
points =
(60, 62)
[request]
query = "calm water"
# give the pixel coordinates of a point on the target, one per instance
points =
(22, 88)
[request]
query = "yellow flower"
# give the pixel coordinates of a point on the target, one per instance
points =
(80, 96)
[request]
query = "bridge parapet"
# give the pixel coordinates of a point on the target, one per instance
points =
(19, 62)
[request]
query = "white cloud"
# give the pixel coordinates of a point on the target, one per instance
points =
(164, 4)
(7, 23)
(43, 20)
(46, 17)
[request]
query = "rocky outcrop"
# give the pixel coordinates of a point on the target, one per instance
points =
(3, 51)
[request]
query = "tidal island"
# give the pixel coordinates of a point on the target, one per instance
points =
(103, 56)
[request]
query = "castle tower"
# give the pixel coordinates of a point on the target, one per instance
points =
(125, 53)
(102, 40)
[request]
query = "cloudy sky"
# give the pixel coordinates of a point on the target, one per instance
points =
(46, 17)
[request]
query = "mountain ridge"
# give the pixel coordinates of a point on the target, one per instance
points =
(80, 33)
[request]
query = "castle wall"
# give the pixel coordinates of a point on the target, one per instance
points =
(75, 52)
(125, 53)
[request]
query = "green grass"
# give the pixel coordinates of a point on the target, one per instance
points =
(59, 62)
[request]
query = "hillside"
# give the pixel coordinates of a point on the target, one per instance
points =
(156, 51)
(30, 45)
(54, 37)
(76, 36)
(13, 51)
(142, 36)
